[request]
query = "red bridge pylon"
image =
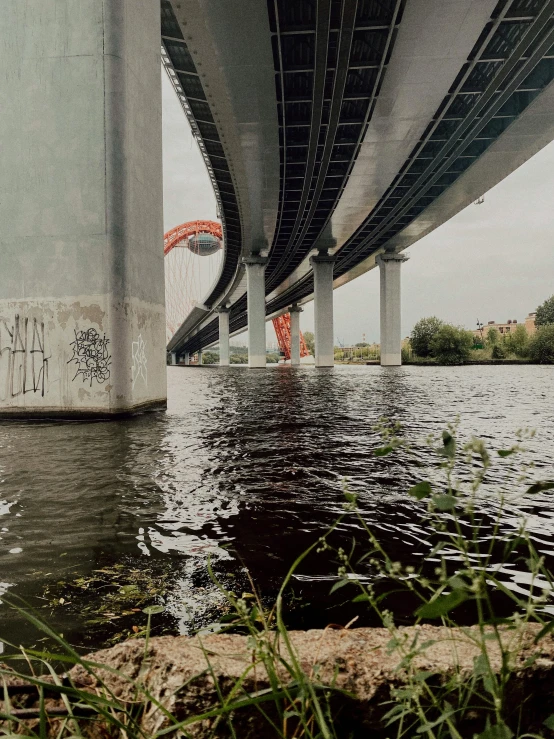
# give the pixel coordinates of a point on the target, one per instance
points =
(281, 324)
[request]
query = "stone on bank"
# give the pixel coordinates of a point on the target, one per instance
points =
(180, 673)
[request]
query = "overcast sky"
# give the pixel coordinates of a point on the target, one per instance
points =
(491, 262)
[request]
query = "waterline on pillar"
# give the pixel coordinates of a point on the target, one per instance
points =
(224, 348)
(295, 312)
(390, 307)
(391, 360)
(322, 266)
(255, 275)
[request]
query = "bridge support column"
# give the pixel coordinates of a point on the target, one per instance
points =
(82, 318)
(322, 266)
(295, 311)
(223, 337)
(255, 274)
(173, 358)
(391, 337)
(199, 357)
(187, 359)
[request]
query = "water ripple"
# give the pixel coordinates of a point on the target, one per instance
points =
(248, 468)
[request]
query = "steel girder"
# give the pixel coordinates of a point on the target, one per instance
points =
(182, 72)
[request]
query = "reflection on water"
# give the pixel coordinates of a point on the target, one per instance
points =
(248, 469)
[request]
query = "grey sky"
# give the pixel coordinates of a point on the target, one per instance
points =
(493, 261)
(188, 193)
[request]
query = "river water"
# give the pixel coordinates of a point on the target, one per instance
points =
(245, 470)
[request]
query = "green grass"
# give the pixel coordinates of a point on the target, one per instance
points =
(298, 704)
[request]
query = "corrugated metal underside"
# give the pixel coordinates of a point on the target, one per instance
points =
(185, 79)
(510, 65)
(330, 58)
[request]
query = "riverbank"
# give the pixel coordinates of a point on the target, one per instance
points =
(251, 670)
(429, 362)
(194, 684)
(500, 362)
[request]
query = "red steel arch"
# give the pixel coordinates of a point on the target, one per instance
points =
(182, 276)
(281, 324)
(192, 228)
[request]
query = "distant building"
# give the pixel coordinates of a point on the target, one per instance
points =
(505, 328)
(362, 352)
(530, 323)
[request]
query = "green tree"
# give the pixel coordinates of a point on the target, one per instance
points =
(493, 337)
(452, 344)
(272, 358)
(309, 338)
(541, 346)
(238, 359)
(499, 351)
(518, 341)
(423, 334)
(545, 313)
(210, 358)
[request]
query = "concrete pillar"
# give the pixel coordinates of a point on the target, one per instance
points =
(174, 358)
(187, 359)
(199, 355)
(255, 274)
(295, 311)
(322, 266)
(391, 338)
(82, 318)
(223, 337)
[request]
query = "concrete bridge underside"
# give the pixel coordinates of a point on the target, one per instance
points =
(389, 117)
(336, 133)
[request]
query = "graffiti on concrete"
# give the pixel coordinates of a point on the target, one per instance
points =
(91, 356)
(23, 360)
(140, 363)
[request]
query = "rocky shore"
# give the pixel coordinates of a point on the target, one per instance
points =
(187, 677)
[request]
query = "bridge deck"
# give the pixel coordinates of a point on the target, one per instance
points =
(389, 117)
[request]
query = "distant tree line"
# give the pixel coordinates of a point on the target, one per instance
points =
(239, 355)
(360, 352)
(448, 344)
(432, 338)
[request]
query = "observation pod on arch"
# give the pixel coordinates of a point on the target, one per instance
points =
(200, 237)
